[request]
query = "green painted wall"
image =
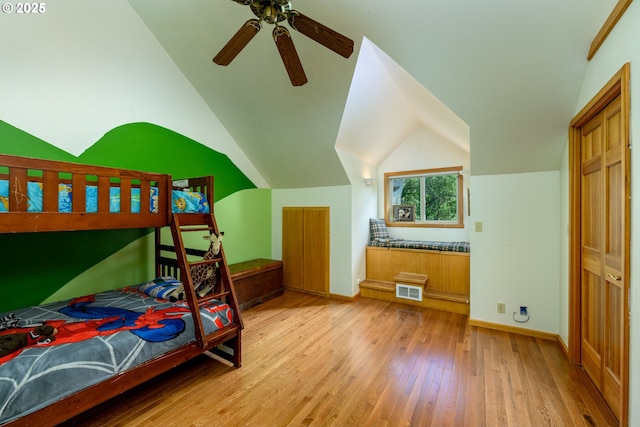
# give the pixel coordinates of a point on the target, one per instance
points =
(245, 218)
(44, 266)
(147, 147)
(35, 265)
(247, 236)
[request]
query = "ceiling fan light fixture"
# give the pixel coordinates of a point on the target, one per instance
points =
(270, 14)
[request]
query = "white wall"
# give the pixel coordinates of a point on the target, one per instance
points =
(620, 47)
(515, 259)
(84, 67)
(424, 149)
(339, 201)
(363, 207)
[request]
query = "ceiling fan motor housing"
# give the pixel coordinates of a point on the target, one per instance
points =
(271, 11)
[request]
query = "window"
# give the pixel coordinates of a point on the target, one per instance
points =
(424, 198)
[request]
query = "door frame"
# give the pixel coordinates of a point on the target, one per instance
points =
(619, 84)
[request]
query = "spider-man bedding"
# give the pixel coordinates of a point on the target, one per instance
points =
(89, 339)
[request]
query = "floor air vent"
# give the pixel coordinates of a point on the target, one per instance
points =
(409, 292)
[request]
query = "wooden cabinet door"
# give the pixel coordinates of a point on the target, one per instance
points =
(305, 248)
(293, 247)
(316, 250)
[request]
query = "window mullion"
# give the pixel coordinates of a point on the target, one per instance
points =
(423, 203)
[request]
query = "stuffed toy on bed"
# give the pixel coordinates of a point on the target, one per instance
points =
(11, 342)
(204, 275)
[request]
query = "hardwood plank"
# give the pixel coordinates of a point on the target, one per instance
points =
(312, 361)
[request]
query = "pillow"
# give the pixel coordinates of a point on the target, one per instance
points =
(378, 229)
(160, 287)
(188, 201)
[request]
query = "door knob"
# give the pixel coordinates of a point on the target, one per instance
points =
(613, 277)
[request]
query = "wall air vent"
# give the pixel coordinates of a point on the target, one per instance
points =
(409, 292)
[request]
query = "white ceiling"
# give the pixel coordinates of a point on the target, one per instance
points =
(507, 74)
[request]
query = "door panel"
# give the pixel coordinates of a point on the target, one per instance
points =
(592, 326)
(603, 213)
(592, 282)
(316, 238)
(613, 256)
(293, 247)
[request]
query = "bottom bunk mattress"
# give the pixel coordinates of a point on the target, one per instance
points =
(51, 351)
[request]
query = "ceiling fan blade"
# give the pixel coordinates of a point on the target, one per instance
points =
(289, 56)
(322, 34)
(238, 42)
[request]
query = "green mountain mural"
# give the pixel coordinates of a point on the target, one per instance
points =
(36, 265)
(147, 147)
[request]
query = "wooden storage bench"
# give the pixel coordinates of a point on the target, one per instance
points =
(444, 275)
(257, 281)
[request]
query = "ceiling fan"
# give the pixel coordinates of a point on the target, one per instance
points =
(274, 12)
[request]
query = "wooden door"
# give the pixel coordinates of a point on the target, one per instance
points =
(293, 247)
(316, 250)
(305, 248)
(603, 188)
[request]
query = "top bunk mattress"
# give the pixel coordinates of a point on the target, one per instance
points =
(98, 336)
(182, 201)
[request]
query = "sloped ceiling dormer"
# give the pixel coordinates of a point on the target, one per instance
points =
(386, 105)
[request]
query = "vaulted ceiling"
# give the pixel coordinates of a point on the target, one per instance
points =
(511, 70)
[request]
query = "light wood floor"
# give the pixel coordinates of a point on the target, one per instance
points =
(310, 361)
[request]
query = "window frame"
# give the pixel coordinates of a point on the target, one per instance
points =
(425, 172)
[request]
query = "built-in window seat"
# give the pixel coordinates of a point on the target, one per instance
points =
(445, 264)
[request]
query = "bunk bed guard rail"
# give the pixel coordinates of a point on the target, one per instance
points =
(49, 195)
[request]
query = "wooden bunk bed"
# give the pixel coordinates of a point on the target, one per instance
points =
(214, 321)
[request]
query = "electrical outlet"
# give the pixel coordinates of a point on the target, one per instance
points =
(501, 308)
(523, 310)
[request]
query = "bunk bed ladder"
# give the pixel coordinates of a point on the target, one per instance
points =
(223, 289)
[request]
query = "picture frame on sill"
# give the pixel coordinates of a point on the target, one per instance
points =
(403, 213)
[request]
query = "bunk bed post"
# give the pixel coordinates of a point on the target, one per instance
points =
(158, 254)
